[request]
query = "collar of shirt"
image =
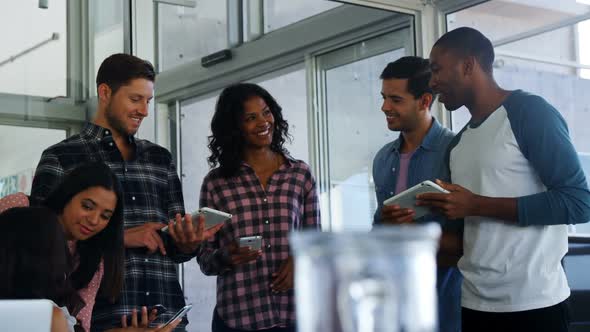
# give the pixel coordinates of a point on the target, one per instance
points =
(289, 161)
(431, 141)
(92, 131)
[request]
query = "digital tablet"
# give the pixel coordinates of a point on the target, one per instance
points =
(407, 198)
(212, 217)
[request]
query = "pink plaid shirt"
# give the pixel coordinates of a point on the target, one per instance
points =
(13, 200)
(244, 297)
(88, 294)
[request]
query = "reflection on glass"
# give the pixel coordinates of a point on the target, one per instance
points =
(21, 148)
(382, 281)
(369, 301)
(280, 13)
(356, 131)
(33, 57)
(186, 34)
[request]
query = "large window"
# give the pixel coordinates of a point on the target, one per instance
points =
(355, 127)
(540, 48)
(186, 34)
(280, 13)
(288, 87)
(33, 57)
(107, 33)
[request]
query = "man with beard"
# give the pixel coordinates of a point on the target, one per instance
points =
(152, 191)
(417, 155)
(517, 182)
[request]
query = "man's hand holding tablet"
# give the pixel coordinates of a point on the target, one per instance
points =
(456, 204)
(402, 208)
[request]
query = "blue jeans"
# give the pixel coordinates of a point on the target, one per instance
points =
(448, 286)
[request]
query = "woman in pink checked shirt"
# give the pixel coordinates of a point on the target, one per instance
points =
(89, 209)
(89, 206)
(270, 195)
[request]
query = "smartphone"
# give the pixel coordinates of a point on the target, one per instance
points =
(254, 242)
(179, 314)
(212, 217)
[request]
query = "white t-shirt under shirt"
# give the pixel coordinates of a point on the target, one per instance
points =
(521, 150)
(402, 175)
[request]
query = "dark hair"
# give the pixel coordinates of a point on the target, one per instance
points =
(118, 69)
(34, 258)
(108, 244)
(227, 140)
(466, 42)
(413, 68)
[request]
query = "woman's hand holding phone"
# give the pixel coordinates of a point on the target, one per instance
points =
(242, 255)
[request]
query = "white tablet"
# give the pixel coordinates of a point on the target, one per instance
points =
(407, 198)
(212, 217)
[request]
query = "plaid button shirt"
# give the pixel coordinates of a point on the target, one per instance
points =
(244, 297)
(152, 192)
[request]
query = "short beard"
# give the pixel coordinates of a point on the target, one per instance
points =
(114, 122)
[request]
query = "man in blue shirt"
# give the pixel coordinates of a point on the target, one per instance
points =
(417, 155)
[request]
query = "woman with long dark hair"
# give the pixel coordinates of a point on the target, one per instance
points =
(88, 204)
(35, 263)
(269, 194)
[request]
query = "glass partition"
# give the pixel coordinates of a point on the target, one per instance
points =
(186, 34)
(279, 13)
(356, 128)
(107, 33)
